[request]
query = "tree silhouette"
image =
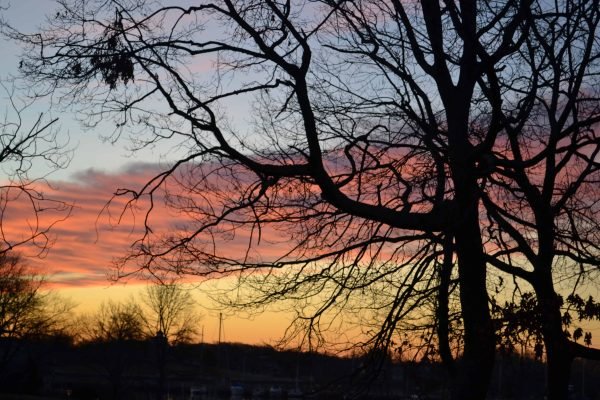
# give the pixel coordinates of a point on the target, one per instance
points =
(170, 318)
(112, 335)
(393, 150)
(170, 309)
(26, 310)
(541, 203)
(113, 322)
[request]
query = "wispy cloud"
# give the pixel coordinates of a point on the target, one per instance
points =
(101, 229)
(85, 244)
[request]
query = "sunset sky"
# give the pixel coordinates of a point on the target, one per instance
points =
(87, 238)
(86, 243)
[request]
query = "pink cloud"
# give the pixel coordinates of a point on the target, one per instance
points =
(101, 229)
(85, 243)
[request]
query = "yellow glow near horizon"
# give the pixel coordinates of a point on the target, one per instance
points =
(264, 328)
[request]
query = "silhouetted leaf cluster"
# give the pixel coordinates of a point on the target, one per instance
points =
(110, 58)
(587, 310)
(519, 323)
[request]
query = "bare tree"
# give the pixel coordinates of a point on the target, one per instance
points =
(540, 174)
(542, 201)
(114, 322)
(27, 311)
(170, 318)
(384, 140)
(111, 335)
(171, 310)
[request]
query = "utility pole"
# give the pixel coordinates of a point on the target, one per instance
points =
(220, 326)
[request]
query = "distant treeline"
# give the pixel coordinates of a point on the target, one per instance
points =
(58, 367)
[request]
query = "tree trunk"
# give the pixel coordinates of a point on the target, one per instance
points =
(477, 363)
(162, 345)
(559, 354)
(559, 361)
(475, 372)
(443, 328)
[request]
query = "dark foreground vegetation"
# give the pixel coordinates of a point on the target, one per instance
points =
(57, 368)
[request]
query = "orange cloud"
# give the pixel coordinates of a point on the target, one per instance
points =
(100, 229)
(84, 244)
